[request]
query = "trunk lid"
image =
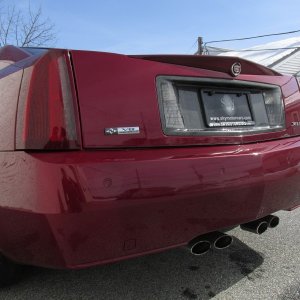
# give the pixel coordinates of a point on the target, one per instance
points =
(119, 105)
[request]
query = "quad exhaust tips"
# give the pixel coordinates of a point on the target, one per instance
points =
(200, 245)
(261, 225)
(219, 240)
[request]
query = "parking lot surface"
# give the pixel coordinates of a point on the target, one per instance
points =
(254, 267)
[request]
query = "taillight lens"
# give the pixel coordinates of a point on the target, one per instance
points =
(47, 117)
(172, 113)
(274, 107)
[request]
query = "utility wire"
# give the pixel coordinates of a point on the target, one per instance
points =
(254, 50)
(192, 46)
(248, 38)
(252, 37)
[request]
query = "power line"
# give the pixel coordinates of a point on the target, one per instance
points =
(195, 43)
(252, 37)
(254, 50)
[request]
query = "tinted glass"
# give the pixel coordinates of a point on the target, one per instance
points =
(190, 108)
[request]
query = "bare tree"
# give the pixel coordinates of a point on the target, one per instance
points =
(25, 28)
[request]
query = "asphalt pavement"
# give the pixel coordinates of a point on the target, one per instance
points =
(254, 267)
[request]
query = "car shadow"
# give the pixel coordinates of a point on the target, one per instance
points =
(174, 274)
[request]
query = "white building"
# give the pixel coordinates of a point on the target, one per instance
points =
(282, 56)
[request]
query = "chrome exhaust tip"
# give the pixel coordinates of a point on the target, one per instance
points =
(200, 247)
(273, 221)
(223, 241)
(257, 226)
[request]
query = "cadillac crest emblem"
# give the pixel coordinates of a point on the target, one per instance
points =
(236, 69)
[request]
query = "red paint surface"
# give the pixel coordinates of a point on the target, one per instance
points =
(79, 208)
(92, 206)
(117, 90)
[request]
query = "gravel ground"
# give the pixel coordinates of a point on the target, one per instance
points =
(254, 267)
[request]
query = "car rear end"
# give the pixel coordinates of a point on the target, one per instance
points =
(107, 156)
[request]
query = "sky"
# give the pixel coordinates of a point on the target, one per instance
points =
(165, 26)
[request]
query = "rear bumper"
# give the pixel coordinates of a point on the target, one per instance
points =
(78, 209)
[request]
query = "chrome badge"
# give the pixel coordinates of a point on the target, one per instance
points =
(228, 105)
(236, 69)
(122, 130)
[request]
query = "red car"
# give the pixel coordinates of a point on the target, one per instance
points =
(106, 156)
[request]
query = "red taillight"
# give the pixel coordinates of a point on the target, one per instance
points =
(47, 117)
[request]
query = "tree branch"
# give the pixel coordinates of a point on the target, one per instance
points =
(25, 28)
